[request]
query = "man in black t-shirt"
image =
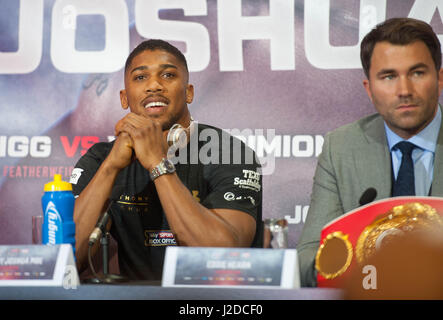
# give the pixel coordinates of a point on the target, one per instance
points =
(192, 193)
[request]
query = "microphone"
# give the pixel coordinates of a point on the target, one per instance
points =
(99, 229)
(368, 196)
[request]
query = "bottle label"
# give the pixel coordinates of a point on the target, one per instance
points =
(53, 224)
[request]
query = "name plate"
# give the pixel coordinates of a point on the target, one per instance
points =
(38, 265)
(230, 267)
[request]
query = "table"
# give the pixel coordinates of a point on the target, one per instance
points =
(148, 291)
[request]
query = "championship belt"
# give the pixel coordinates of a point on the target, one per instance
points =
(355, 237)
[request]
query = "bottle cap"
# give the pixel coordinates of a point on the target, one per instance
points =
(58, 184)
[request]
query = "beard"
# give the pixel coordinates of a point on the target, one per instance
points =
(409, 122)
(168, 120)
(412, 122)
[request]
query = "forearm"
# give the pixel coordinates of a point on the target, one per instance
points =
(192, 223)
(89, 205)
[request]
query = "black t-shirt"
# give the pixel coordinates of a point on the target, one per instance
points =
(218, 170)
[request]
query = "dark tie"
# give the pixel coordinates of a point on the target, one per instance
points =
(405, 185)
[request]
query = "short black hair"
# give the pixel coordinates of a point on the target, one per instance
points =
(400, 31)
(156, 44)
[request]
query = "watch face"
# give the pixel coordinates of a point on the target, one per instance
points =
(169, 166)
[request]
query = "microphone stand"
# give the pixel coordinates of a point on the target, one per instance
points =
(107, 278)
(104, 241)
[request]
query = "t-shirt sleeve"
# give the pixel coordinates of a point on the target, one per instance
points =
(235, 186)
(87, 166)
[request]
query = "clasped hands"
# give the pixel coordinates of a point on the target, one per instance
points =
(138, 137)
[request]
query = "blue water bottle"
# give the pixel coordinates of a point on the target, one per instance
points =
(58, 213)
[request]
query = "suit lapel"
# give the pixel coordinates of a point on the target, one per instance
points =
(373, 159)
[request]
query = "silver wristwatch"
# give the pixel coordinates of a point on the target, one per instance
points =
(165, 166)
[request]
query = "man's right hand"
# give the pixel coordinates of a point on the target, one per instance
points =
(93, 200)
(121, 154)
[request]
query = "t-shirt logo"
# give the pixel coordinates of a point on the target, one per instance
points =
(195, 195)
(159, 238)
(76, 173)
(134, 203)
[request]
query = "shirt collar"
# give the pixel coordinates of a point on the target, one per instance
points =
(426, 139)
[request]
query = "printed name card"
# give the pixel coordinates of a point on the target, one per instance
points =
(231, 267)
(38, 265)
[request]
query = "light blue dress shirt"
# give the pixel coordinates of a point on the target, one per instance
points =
(423, 156)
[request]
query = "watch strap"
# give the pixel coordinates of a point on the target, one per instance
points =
(165, 166)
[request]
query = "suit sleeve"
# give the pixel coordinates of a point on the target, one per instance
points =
(325, 206)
